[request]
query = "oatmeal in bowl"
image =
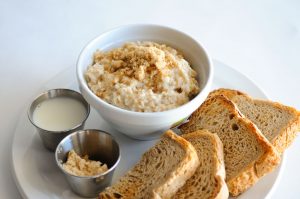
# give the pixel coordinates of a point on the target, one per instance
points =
(143, 77)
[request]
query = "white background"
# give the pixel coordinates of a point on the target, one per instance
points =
(39, 39)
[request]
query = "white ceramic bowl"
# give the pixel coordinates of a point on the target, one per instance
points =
(140, 125)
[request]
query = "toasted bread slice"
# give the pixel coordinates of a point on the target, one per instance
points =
(277, 122)
(248, 154)
(162, 170)
(208, 182)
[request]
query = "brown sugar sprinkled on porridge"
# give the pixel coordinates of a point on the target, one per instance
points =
(143, 77)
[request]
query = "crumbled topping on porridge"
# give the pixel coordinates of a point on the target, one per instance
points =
(143, 77)
(83, 166)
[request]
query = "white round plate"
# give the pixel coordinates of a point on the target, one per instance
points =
(37, 175)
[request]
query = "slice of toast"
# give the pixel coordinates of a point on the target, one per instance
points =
(208, 182)
(248, 154)
(277, 122)
(162, 170)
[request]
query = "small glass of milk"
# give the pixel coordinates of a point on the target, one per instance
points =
(56, 113)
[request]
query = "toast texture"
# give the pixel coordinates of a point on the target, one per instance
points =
(248, 155)
(161, 171)
(278, 123)
(208, 182)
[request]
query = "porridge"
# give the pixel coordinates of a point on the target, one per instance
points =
(142, 77)
(83, 166)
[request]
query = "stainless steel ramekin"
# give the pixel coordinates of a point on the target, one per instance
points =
(51, 139)
(98, 145)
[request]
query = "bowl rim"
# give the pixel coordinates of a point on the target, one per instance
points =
(94, 176)
(88, 110)
(83, 84)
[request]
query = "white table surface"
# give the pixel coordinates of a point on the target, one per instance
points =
(39, 39)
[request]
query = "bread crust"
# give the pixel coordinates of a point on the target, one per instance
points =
(221, 190)
(287, 133)
(169, 186)
(260, 166)
(184, 171)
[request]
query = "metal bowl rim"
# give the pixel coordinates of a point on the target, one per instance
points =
(64, 131)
